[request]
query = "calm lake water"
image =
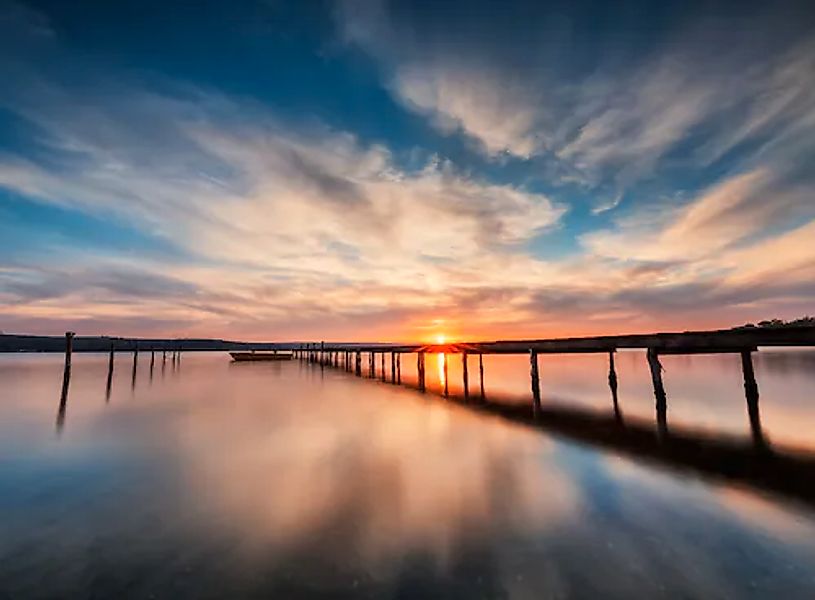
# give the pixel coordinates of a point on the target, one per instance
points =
(220, 480)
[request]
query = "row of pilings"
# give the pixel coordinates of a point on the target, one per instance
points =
(351, 360)
(174, 356)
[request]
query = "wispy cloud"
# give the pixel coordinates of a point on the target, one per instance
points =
(293, 228)
(702, 92)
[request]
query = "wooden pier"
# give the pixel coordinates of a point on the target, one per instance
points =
(743, 341)
(750, 461)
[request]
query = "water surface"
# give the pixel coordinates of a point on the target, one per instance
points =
(209, 480)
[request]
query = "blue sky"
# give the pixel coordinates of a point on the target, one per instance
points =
(391, 170)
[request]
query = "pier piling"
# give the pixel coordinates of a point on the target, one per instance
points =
(612, 384)
(659, 390)
(535, 381)
(135, 366)
(465, 377)
(66, 379)
(109, 382)
(446, 377)
(481, 375)
(420, 370)
(751, 394)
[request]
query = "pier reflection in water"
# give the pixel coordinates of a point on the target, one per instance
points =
(235, 480)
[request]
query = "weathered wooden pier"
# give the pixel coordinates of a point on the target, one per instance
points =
(744, 342)
(349, 357)
(751, 462)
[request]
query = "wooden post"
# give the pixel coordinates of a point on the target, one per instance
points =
(612, 384)
(66, 379)
(135, 365)
(359, 364)
(152, 363)
(481, 374)
(371, 365)
(659, 390)
(110, 374)
(420, 370)
(751, 393)
(446, 378)
(399, 368)
(465, 377)
(393, 367)
(535, 377)
(382, 365)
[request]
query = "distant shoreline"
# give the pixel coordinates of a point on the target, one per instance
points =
(17, 343)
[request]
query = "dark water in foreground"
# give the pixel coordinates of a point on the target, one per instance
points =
(218, 480)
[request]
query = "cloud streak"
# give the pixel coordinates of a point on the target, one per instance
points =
(286, 228)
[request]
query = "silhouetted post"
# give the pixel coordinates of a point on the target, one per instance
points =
(322, 354)
(110, 374)
(359, 364)
(163, 357)
(393, 367)
(382, 365)
(399, 368)
(612, 383)
(481, 374)
(535, 377)
(446, 378)
(135, 365)
(66, 379)
(152, 363)
(751, 393)
(420, 370)
(659, 390)
(371, 365)
(465, 376)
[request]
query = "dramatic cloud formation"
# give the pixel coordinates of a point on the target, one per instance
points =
(595, 191)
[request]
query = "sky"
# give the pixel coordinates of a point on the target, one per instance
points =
(395, 170)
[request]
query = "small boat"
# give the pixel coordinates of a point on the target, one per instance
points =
(260, 356)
